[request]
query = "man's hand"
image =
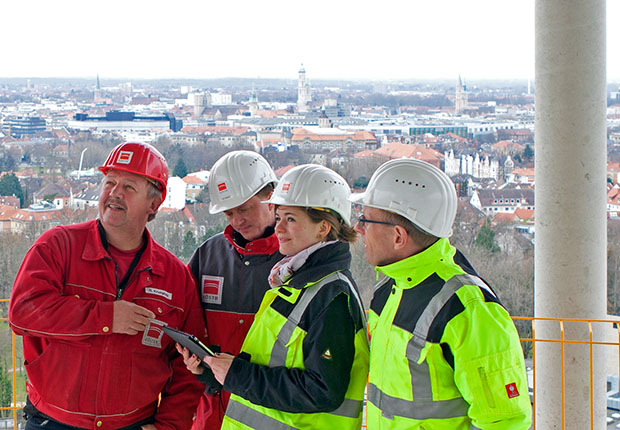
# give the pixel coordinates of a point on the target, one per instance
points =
(190, 360)
(130, 318)
(149, 427)
(220, 364)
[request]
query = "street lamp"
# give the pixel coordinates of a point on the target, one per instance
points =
(81, 159)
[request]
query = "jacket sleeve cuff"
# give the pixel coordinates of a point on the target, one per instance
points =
(238, 376)
(106, 310)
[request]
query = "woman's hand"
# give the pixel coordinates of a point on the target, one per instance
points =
(220, 364)
(190, 360)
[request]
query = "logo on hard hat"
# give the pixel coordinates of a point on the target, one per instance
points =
(221, 186)
(124, 157)
(286, 187)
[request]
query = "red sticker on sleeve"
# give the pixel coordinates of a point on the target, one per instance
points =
(512, 391)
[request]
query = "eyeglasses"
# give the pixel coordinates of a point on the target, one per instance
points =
(362, 221)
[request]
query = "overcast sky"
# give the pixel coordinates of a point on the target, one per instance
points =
(344, 39)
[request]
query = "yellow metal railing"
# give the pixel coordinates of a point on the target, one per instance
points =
(562, 341)
(14, 406)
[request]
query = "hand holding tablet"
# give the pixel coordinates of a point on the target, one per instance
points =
(189, 341)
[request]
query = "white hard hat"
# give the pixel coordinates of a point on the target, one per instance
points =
(236, 177)
(415, 190)
(312, 185)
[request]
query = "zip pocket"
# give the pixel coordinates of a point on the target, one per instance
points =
(485, 385)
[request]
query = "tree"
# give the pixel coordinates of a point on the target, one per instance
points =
(6, 391)
(361, 182)
(10, 186)
(486, 237)
(528, 153)
(50, 197)
(180, 169)
(189, 245)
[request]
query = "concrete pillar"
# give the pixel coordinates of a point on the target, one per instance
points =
(570, 253)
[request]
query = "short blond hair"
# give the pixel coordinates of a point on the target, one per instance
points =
(420, 237)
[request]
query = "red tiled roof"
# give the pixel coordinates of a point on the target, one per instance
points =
(31, 216)
(271, 113)
(524, 214)
(524, 172)
(189, 215)
(504, 218)
(9, 200)
(300, 134)
(7, 212)
(456, 136)
(507, 144)
(282, 170)
(402, 150)
(213, 129)
(189, 179)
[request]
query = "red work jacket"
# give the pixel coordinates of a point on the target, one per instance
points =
(82, 374)
(232, 280)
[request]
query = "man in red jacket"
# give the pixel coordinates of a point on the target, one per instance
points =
(232, 267)
(90, 301)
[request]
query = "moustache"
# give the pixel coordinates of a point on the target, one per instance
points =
(116, 202)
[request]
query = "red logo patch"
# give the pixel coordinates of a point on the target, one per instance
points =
(124, 157)
(212, 289)
(153, 331)
(512, 391)
(285, 187)
(221, 186)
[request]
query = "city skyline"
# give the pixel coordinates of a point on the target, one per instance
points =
(485, 39)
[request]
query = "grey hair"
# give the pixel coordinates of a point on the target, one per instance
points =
(151, 192)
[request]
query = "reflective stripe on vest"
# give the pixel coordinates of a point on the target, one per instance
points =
(423, 325)
(349, 408)
(418, 410)
(280, 350)
(245, 415)
(423, 407)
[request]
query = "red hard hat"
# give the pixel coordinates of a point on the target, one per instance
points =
(141, 159)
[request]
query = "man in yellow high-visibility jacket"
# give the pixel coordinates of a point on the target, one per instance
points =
(444, 351)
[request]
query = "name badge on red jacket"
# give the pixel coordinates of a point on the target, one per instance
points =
(212, 287)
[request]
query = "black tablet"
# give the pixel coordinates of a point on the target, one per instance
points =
(189, 341)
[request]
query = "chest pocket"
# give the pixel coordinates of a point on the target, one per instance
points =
(163, 309)
(288, 332)
(423, 406)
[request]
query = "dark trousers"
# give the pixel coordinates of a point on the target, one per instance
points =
(37, 422)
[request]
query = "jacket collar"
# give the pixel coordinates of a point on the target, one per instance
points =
(268, 244)
(322, 262)
(95, 250)
(410, 271)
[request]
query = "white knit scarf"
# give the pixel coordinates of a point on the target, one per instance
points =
(284, 269)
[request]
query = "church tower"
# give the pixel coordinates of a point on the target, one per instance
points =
(303, 91)
(253, 102)
(324, 121)
(461, 97)
(97, 96)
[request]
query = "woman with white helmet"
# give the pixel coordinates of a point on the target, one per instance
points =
(304, 362)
